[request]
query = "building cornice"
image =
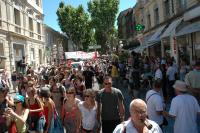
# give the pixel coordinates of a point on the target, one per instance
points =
(171, 19)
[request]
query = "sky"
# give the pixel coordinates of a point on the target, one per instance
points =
(50, 7)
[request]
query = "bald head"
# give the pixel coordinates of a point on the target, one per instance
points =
(137, 104)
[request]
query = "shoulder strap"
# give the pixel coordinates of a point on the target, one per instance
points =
(124, 127)
(151, 95)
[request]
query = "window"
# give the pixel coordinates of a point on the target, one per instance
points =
(17, 17)
(0, 17)
(37, 2)
(149, 21)
(17, 20)
(172, 3)
(2, 64)
(181, 5)
(166, 9)
(39, 30)
(31, 26)
(156, 16)
(1, 49)
(32, 54)
(40, 56)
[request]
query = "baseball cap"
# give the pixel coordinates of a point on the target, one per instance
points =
(19, 97)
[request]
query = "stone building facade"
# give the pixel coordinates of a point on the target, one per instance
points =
(172, 28)
(21, 33)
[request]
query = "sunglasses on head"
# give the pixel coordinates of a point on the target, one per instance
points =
(87, 96)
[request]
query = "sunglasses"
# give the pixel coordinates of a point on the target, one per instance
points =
(16, 102)
(70, 92)
(107, 83)
(87, 96)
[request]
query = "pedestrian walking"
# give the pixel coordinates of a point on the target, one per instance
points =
(155, 103)
(184, 109)
(110, 106)
(70, 114)
(192, 79)
(88, 109)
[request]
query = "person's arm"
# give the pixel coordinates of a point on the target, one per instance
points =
(63, 112)
(79, 119)
(21, 119)
(121, 106)
(121, 110)
(10, 101)
(166, 114)
(40, 105)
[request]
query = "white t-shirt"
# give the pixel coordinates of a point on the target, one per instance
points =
(185, 108)
(171, 73)
(131, 129)
(158, 74)
(154, 103)
(88, 116)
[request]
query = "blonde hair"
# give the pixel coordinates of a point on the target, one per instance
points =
(89, 92)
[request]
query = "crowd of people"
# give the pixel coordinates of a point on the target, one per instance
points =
(65, 96)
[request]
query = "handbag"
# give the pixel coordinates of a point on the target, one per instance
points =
(56, 125)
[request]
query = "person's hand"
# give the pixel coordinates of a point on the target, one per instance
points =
(165, 113)
(77, 130)
(10, 112)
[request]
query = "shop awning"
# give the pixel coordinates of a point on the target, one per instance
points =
(194, 13)
(156, 36)
(170, 31)
(190, 28)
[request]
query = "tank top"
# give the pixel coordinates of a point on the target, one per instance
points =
(34, 107)
(21, 128)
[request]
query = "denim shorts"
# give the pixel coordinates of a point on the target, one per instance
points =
(36, 124)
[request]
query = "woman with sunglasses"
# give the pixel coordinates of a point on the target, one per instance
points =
(19, 115)
(70, 114)
(88, 109)
(36, 117)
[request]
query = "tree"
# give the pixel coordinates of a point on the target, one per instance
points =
(76, 24)
(103, 14)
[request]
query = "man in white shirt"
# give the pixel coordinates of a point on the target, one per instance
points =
(158, 73)
(184, 109)
(171, 77)
(138, 122)
(155, 103)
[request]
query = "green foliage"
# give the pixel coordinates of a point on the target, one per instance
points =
(76, 24)
(103, 14)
